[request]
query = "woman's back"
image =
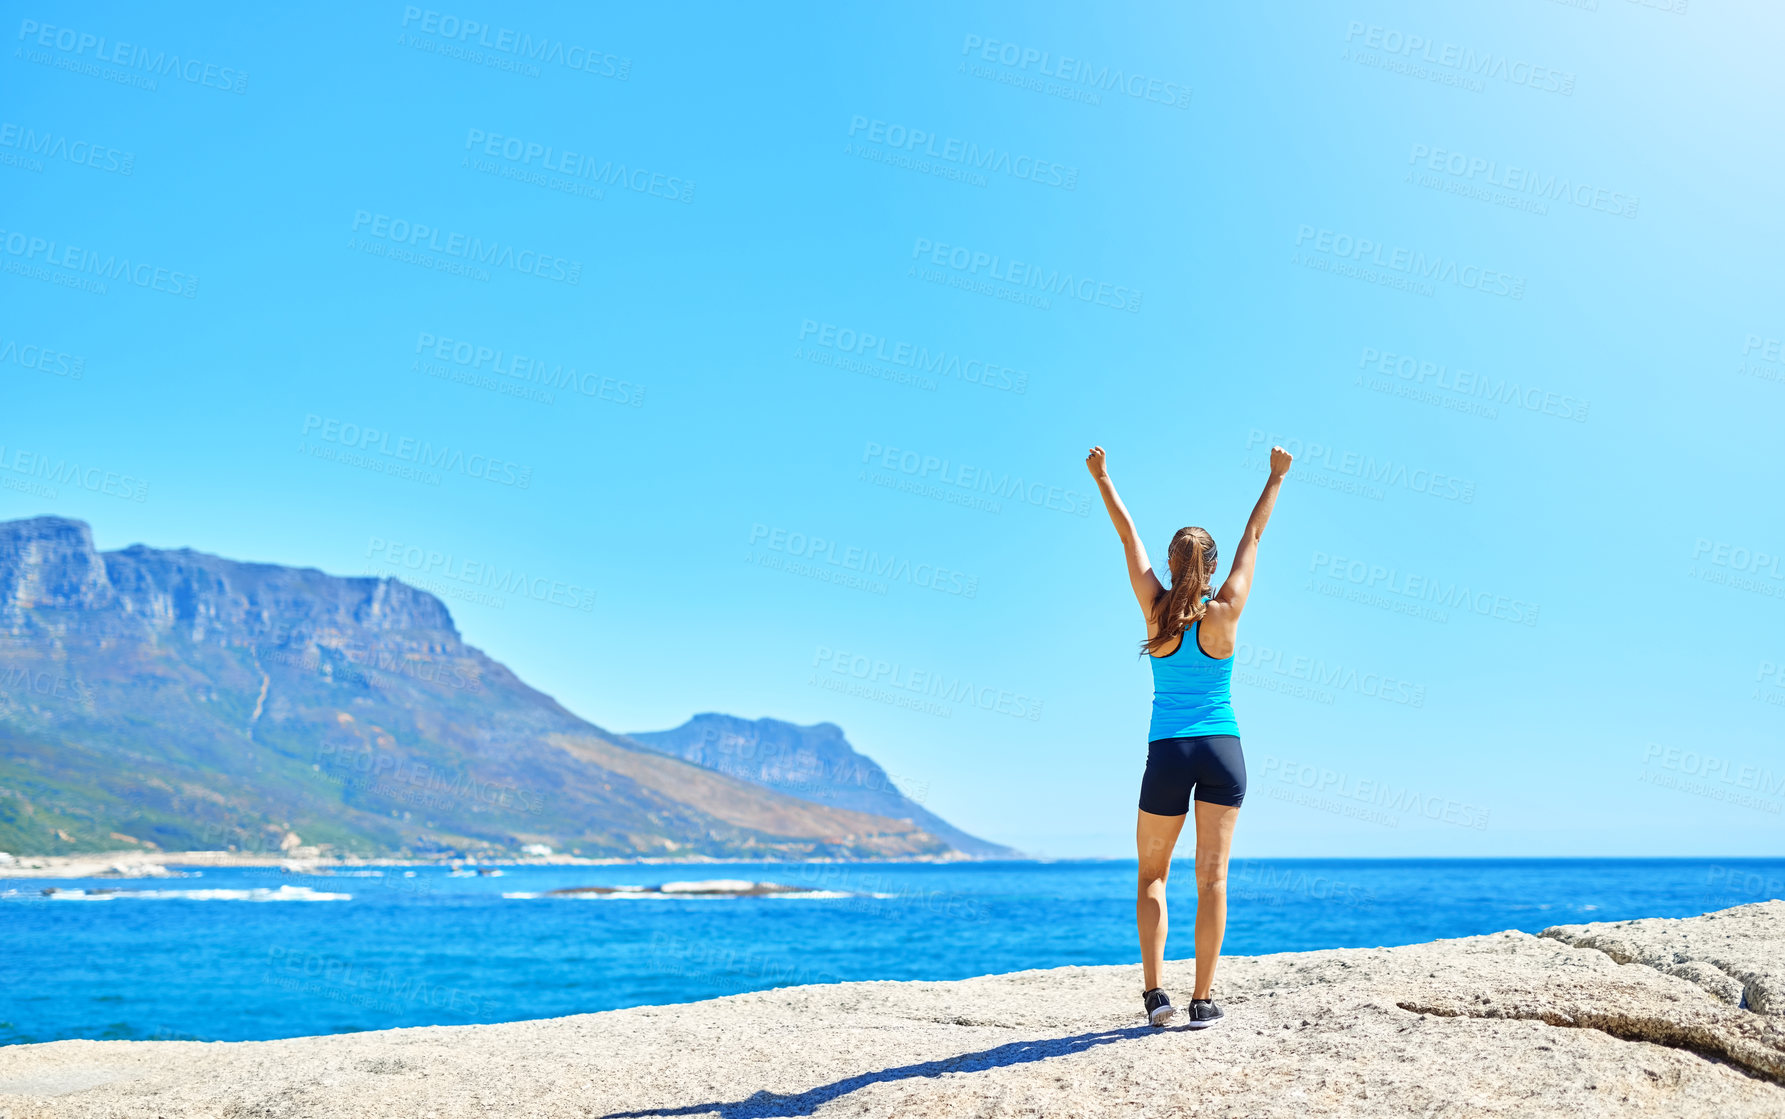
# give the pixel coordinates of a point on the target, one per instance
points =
(1192, 691)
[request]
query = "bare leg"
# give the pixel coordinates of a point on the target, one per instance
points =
(1154, 837)
(1214, 838)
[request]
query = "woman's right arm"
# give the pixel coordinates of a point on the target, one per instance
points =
(1145, 584)
(1245, 557)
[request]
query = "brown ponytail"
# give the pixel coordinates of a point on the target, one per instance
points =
(1191, 561)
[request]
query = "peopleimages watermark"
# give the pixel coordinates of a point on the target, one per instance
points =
(839, 562)
(1353, 472)
(1066, 77)
(364, 664)
(950, 157)
(41, 683)
(927, 690)
(1762, 359)
(1745, 785)
(1422, 596)
(503, 48)
(1525, 189)
(407, 456)
(1373, 800)
(493, 577)
(403, 778)
(1737, 567)
(513, 373)
(1745, 883)
(875, 355)
(669, 955)
(38, 474)
(565, 169)
(115, 60)
(1016, 281)
(1769, 685)
(1316, 679)
(53, 262)
(961, 483)
(1407, 269)
(29, 148)
(817, 778)
(459, 253)
(44, 359)
(881, 894)
(1254, 880)
(442, 589)
(344, 980)
(1436, 383)
(1385, 48)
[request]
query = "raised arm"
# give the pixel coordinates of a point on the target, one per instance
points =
(1239, 576)
(1147, 587)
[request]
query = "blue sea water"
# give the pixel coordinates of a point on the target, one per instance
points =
(240, 954)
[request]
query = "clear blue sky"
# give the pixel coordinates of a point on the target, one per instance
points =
(1506, 277)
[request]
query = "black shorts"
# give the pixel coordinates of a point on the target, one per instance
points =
(1212, 764)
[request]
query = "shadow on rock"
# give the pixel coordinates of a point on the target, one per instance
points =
(764, 1104)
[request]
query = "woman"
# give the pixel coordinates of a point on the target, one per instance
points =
(1193, 742)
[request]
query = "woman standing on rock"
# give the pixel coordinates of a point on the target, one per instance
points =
(1193, 741)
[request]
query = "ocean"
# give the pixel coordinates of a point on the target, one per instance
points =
(254, 953)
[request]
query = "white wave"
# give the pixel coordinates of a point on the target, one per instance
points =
(283, 893)
(711, 886)
(624, 893)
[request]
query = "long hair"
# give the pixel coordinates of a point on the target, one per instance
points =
(1191, 560)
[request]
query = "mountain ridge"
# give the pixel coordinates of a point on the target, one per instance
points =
(181, 700)
(814, 762)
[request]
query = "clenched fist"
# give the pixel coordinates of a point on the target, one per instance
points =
(1095, 464)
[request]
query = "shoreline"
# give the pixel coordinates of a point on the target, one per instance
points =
(167, 864)
(157, 864)
(1676, 1017)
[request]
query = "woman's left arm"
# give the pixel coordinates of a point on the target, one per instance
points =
(1239, 577)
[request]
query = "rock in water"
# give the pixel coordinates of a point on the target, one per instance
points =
(1502, 1025)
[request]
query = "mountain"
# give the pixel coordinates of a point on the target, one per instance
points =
(181, 700)
(814, 763)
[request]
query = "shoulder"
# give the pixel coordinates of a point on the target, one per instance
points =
(1218, 615)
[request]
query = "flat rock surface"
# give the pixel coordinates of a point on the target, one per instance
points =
(1500, 1025)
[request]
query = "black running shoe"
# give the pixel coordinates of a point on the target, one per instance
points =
(1204, 1013)
(1159, 1008)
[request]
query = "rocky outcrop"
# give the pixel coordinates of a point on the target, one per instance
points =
(49, 562)
(1503, 1025)
(1736, 956)
(53, 581)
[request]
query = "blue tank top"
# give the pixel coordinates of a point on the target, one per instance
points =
(1191, 692)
